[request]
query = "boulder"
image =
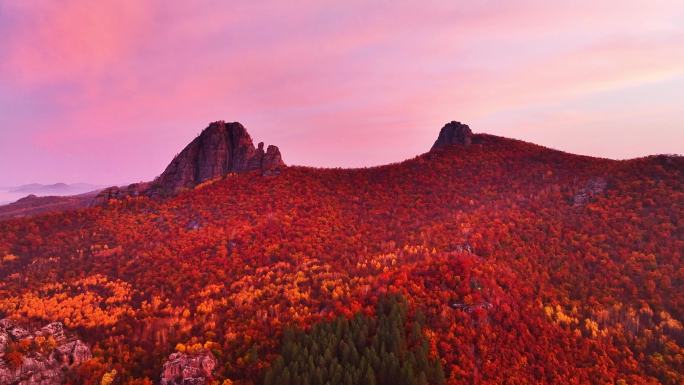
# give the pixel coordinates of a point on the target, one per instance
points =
(72, 353)
(55, 329)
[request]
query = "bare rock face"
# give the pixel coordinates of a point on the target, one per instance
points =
(4, 340)
(72, 353)
(55, 329)
(48, 364)
(220, 149)
(186, 369)
(453, 133)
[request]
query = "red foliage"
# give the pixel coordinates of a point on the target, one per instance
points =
(519, 280)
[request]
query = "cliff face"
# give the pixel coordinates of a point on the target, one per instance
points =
(220, 149)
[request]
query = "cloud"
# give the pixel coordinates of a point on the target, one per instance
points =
(81, 75)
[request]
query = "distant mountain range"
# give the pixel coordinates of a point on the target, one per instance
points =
(53, 189)
(10, 194)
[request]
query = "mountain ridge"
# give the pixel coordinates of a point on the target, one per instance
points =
(183, 173)
(508, 251)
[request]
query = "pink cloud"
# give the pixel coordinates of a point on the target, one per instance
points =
(314, 77)
(53, 42)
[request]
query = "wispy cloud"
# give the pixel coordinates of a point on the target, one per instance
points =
(110, 90)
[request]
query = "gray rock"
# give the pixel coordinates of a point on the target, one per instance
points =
(55, 329)
(221, 148)
(186, 369)
(4, 340)
(18, 333)
(37, 368)
(272, 162)
(115, 192)
(453, 133)
(591, 190)
(6, 324)
(72, 353)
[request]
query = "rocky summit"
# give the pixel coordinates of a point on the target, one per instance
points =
(220, 149)
(453, 133)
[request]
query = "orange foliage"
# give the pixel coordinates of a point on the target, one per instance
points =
(519, 280)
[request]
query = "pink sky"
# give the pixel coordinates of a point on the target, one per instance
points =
(108, 92)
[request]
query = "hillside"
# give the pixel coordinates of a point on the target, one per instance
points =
(523, 264)
(31, 205)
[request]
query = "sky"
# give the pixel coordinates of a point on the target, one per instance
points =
(107, 92)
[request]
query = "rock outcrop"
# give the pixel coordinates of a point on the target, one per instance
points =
(50, 356)
(220, 149)
(189, 369)
(116, 192)
(272, 161)
(593, 188)
(453, 133)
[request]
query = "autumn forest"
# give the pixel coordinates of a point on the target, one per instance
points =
(496, 262)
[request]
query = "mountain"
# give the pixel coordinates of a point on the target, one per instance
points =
(13, 193)
(54, 189)
(219, 149)
(35, 198)
(485, 260)
(31, 204)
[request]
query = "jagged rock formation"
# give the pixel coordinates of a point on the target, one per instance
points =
(220, 149)
(189, 369)
(272, 161)
(52, 354)
(453, 133)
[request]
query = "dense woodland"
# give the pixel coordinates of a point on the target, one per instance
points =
(514, 263)
(381, 349)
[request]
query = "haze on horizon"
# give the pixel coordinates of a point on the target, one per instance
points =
(107, 92)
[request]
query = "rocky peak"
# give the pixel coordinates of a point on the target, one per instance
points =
(272, 161)
(453, 133)
(221, 148)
